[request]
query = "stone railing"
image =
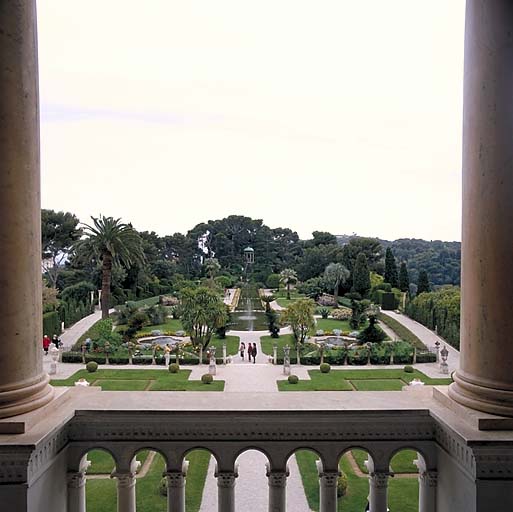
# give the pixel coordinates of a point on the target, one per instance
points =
(173, 424)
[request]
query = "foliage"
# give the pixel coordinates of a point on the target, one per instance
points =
(50, 300)
(288, 277)
(391, 274)
(293, 379)
(372, 333)
(325, 368)
(202, 313)
(206, 378)
(324, 312)
(341, 485)
(408, 369)
(300, 316)
(211, 267)
(404, 278)
(361, 276)
(341, 313)
(273, 281)
(91, 366)
(402, 332)
(105, 336)
(423, 285)
(370, 247)
(51, 323)
(335, 275)
(110, 242)
(439, 311)
(312, 287)
(358, 312)
(273, 323)
(79, 292)
(156, 314)
(174, 368)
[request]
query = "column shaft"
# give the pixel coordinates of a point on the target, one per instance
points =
(23, 385)
(378, 500)
(328, 489)
(126, 487)
(226, 491)
(176, 489)
(277, 490)
(427, 491)
(76, 492)
(484, 380)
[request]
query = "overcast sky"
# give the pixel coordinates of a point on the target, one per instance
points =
(336, 115)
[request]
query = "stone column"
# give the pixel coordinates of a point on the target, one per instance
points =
(328, 489)
(176, 488)
(378, 495)
(226, 490)
(76, 488)
(427, 491)
(277, 489)
(126, 487)
(484, 380)
(23, 385)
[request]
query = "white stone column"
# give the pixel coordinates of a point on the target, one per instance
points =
(76, 488)
(328, 489)
(484, 380)
(23, 385)
(427, 491)
(378, 495)
(176, 488)
(226, 490)
(277, 481)
(126, 487)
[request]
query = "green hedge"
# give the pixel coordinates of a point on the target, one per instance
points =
(403, 332)
(51, 324)
(426, 357)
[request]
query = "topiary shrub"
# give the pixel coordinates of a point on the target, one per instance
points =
(92, 366)
(163, 486)
(293, 379)
(408, 369)
(174, 368)
(341, 485)
(207, 378)
(325, 368)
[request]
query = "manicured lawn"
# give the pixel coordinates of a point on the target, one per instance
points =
(232, 345)
(135, 380)
(171, 325)
(281, 297)
(101, 493)
(378, 384)
(306, 461)
(401, 462)
(285, 339)
(103, 463)
(328, 324)
(362, 380)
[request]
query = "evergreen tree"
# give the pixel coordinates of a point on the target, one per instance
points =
(423, 282)
(404, 278)
(391, 268)
(361, 275)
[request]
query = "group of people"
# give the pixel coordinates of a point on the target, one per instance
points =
(47, 342)
(251, 350)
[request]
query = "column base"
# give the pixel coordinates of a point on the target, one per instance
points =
(479, 397)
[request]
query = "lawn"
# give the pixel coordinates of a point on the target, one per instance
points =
(329, 324)
(171, 325)
(101, 493)
(285, 339)
(137, 380)
(401, 462)
(103, 463)
(402, 492)
(281, 297)
(361, 380)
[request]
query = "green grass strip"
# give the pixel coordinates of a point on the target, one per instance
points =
(402, 332)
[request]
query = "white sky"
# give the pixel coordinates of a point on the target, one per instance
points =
(336, 115)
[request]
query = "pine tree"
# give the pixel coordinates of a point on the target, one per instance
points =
(361, 275)
(423, 282)
(391, 268)
(404, 278)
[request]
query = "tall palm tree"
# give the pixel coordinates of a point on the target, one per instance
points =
(335, 275)
(288, 277)
(113, 243)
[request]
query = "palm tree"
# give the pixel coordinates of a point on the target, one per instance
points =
(288, 277)
(110, 242)
(336, 274)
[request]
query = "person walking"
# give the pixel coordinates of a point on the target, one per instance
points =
(46, 343)
(250, 351)
(56, 341)
(254, 352)
(242, 349)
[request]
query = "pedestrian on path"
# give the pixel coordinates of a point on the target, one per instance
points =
(254, 352)
(56, 341)
(242, 349)
(46, 343)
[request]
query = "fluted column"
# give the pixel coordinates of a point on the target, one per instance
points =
(126, 487)
(23, 385)
(277, 489)
(226, 490)
(328, 488)
(76, 488)
(378, 495)
(176, 488)
(484, 380)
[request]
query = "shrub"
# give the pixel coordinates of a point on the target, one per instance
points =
(325, 368)
(92, 366)
(426, 357)
(99, 359)
(341, 485)
(71, 357)
(324, 312)
(408, 369)
(380, 353)
(174, 368)
(403, 352)
(206, 378)
(51, 324)
(342, 313)
(163, 486)
(358, 356)
(293, 379)
(273, 281)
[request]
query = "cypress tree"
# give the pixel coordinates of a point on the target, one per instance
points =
(423, 282)
(391, 268)
(404, 278)
(361, 275)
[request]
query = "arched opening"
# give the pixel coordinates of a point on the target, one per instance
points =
(251, 487)
(353, 491)
(303, 481)
(101, 493)
(403, 488)
(200, 483)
